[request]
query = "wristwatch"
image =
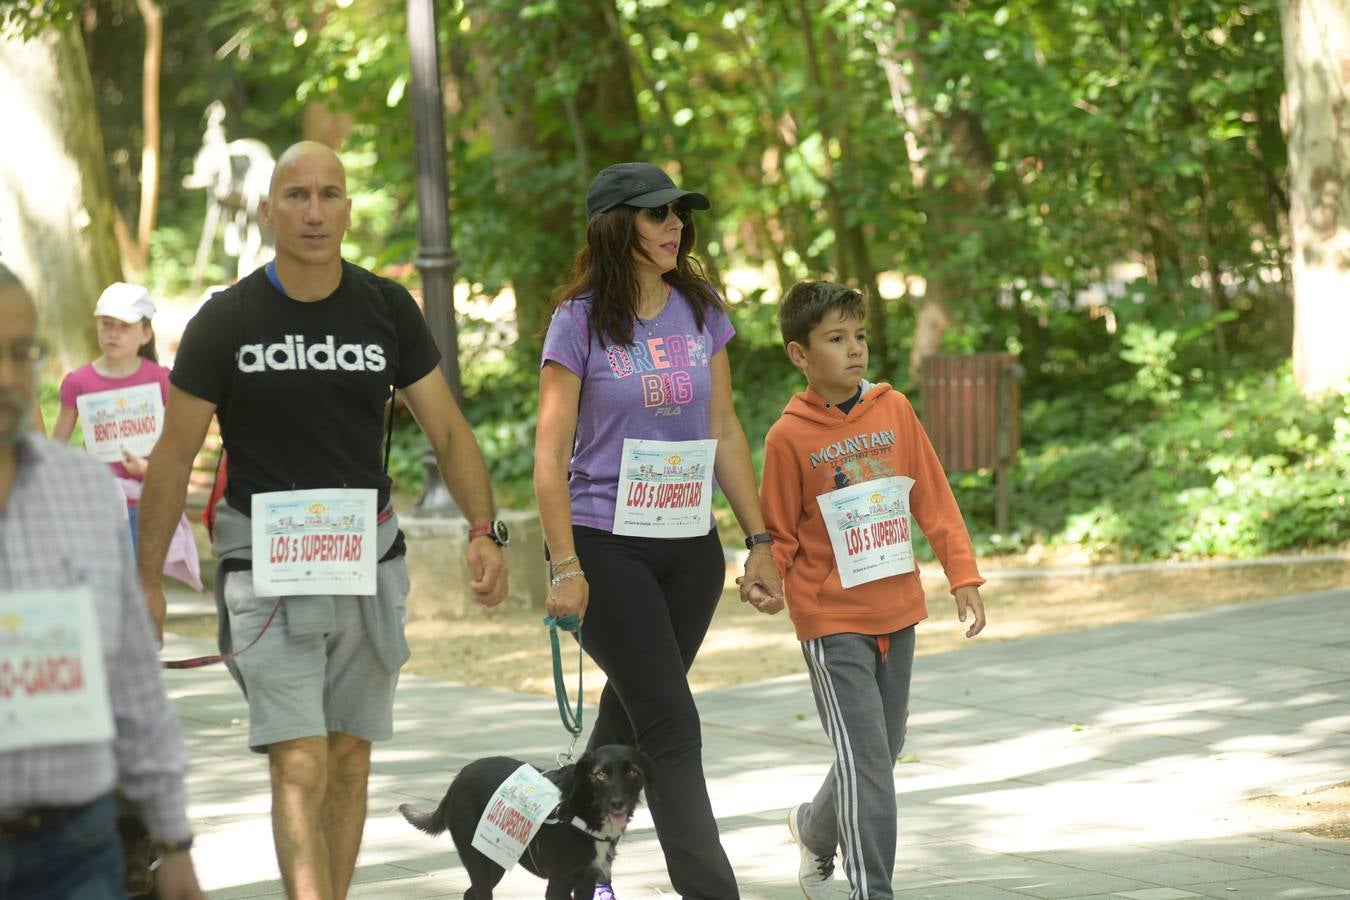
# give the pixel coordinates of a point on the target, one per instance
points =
(495, 529)
(164, 848)
(762, 538)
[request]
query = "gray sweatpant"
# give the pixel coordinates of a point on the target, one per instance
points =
(863, 702)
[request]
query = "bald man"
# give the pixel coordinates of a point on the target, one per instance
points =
(298, 361)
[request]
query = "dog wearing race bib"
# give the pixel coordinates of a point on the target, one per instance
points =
(574, 848)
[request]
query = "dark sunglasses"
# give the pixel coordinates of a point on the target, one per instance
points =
(660, 213)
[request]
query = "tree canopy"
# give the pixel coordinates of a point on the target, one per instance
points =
(1100, 187)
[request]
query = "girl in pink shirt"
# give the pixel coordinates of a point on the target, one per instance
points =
(128, 359)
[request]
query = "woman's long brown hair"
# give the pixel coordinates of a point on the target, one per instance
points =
(605, 270)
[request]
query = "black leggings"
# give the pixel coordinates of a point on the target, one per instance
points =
(651, 602)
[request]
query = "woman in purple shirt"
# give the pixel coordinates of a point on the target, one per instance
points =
(636, 429)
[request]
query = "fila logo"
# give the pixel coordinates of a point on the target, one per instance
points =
(326, 356)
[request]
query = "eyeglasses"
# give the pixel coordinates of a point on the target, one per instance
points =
(25, 353)
(660, 213)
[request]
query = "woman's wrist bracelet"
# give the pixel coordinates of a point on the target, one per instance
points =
(559, 579)
(566, 560)
(761, 550)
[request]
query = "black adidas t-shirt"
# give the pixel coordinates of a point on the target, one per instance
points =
(300, 388)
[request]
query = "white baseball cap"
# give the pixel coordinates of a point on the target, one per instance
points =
(128, 302)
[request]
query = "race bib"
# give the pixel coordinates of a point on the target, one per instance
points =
(314, 542)
(53, 686)
(665, 488)
(869, 529)
(122, 419)
(514, 815)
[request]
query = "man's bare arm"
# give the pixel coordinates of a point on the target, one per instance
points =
(186, 420)
(453, 441)
(465, 473)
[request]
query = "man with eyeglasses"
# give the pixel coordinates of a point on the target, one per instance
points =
(81, 699)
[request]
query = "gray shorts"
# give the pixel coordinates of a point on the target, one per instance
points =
(311, 685)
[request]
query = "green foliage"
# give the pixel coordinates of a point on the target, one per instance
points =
(1100, 183)
(1232, 470)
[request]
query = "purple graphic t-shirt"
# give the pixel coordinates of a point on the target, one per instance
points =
(656, 388)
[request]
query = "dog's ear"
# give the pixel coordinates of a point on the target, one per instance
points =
(578, 784)
(643, 763)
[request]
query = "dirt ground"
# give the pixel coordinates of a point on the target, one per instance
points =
(509, 649)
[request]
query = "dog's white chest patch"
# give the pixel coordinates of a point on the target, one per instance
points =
(604, 859)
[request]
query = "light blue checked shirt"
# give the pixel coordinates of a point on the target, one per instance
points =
(64, 524)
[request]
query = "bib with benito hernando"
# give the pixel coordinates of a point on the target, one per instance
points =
(128, 418)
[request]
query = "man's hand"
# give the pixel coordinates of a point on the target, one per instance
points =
(488, 569)
(177, 879)
(968, 600)
(159, 607)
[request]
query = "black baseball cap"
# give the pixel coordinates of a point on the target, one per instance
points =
(636, 184)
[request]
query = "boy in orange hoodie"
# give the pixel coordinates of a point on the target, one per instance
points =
(844, 467)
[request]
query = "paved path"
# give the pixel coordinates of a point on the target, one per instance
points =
(1103, 763)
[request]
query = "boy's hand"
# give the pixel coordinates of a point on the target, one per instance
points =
(968, 599)
(761, 585)
(758, 596)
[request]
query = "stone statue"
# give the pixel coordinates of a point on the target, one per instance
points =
(235, 175)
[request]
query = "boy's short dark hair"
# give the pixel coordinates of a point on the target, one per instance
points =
(807, 302)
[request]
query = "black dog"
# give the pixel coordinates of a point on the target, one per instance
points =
(575, 847)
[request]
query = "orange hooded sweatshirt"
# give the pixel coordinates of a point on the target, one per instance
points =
(814, 448)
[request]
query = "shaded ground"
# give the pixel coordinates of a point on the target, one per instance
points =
(509, 649)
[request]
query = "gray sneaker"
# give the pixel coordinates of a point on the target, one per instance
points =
(813, 872)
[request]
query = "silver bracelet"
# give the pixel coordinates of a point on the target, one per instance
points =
(559, 579)
(555, 565)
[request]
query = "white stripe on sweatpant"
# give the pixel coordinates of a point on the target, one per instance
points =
(846, 770)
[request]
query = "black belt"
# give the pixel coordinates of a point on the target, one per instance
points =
(37, 819)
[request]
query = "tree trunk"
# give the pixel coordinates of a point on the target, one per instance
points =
(602, 128)
(153, 16)
(824, 123)
(952, 208)
(321, 122)
(1317, 82)
(56, 213)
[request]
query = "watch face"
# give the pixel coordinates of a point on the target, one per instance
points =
(500, 534)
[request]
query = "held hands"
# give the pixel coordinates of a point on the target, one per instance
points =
(761, 586)
(968, 600)
(568, 590)
(488, 569)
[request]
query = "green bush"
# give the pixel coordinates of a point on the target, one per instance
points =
(1231, 470)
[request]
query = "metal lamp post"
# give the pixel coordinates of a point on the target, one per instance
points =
(435, 260)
